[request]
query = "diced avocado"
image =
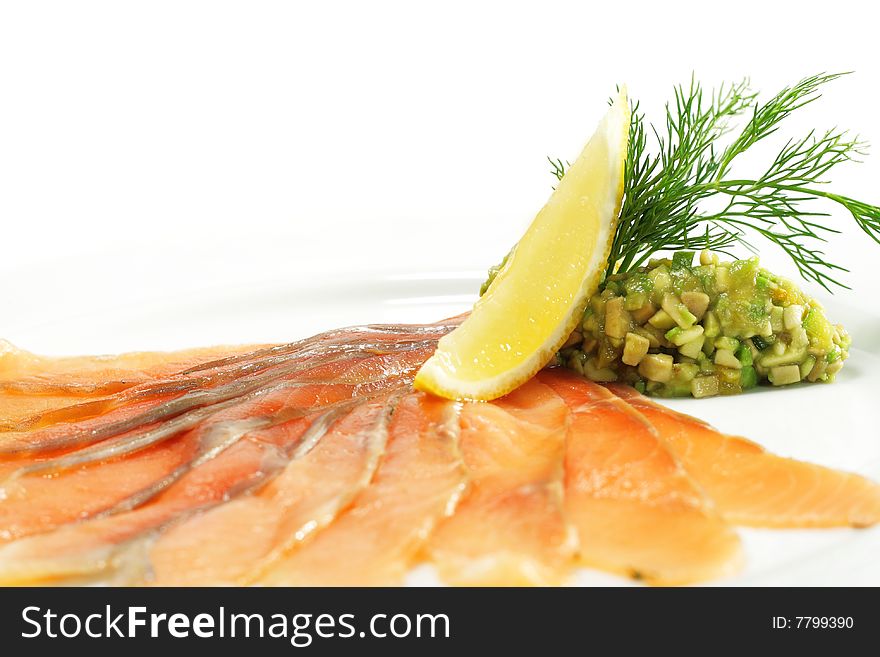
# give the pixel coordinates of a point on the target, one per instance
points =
(744, 355)
(653, 335)
(680, 383)
(783, 375)
(807, 366)
(673, 333)
(705, 364)
(685, 371)
(635, 348)
(696, 302)
(748, 378)
(704, 386)
(740, 315)
(777, 322)
(726, 358)
(682, 259)
(589, 323)
(729, 378)
(661, 281)
(787, 357)
(596, 373)
(799, 338)
(656, 367)
(750, 343)
(708, 346)
(617, 320)
(731, 344)
(638, 287)
(635, 300)
(792, 316)
(692, 349)
(679, 336)
(744, 272)
(742, 305)
(643, 314)
(673, 321)
(608, 350)
(705, 278)
(661, 320)
(711, 325)
(678, 311)
(819, 329)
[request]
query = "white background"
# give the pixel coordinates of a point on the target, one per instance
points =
(149, 148)
(184, 173)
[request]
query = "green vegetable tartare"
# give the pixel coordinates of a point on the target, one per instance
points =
(675, 329)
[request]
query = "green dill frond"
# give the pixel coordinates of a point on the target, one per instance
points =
(675, 172)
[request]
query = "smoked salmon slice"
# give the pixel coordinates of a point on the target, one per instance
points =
(510, 529)
(96, 420)
(112, 476)
(116, 547)
(749, 485)
(32, 385)
(419, 481)
(155, 476)
(125, 471)
(234, 542)
(40, 495)
(26, 373)
(314, 463)
(635, 509)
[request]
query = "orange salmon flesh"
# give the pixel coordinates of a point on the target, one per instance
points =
(315, 463)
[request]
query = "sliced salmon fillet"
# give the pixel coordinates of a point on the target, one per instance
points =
(40, 495)
(636, 510)
(419, 482)
(29, 382)
(34, 385)
(100, 478)
(40, 502)
(115, 549)
(510, 529)
(232, 543)
(95, 420)
(283, 464)
(28, 373)
(750, 486)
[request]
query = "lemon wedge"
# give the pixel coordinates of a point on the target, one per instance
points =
(538, 297)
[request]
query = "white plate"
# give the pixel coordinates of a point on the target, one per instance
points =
(221, 302)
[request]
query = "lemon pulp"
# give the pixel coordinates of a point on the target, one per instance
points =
(536, 300)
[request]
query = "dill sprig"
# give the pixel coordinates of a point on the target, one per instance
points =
(669, 189)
